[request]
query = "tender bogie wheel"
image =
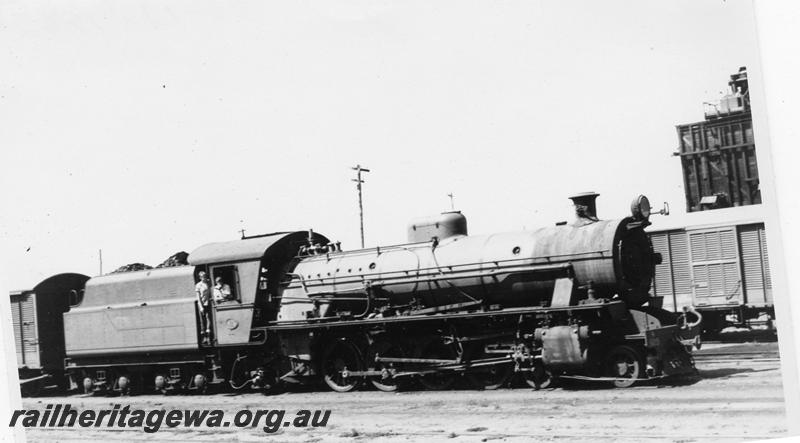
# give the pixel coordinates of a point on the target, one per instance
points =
(160, 383)
(88, 385)
(123, 385)
(385, 382)
(625, 364)
(342, 356)
(488, 377)
(438, 349)
(200, 383)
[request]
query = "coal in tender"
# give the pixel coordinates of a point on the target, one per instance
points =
(131, 268)
(176, 259)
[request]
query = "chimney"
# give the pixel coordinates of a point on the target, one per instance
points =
(585, 206)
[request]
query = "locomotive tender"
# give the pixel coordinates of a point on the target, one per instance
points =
(571, 300)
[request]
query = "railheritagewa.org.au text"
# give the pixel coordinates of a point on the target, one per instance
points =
(63, 415)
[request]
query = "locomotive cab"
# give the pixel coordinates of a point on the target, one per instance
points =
(245, 279)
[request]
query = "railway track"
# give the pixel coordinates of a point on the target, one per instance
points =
(737, 354)
(754, 357)
(205, 435)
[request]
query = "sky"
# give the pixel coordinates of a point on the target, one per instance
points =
(144, 128)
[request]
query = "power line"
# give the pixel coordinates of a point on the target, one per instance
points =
(359, 181)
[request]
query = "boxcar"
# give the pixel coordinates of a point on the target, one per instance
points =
(39, 329)
(722, 270)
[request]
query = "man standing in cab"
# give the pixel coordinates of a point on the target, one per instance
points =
(203, 291)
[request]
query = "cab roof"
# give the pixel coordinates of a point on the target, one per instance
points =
(249, 248)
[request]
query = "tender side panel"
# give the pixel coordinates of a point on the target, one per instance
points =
(147, 311)
(167, 326)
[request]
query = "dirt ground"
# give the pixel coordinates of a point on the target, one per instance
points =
(731, 401)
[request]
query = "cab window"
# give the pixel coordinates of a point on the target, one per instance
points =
(225, 284)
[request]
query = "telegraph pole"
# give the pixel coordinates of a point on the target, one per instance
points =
(452, 205)
(358, 181)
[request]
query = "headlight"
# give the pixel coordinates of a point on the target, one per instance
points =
(640, 208)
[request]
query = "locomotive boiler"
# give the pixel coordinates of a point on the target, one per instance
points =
(443, 266)
(570, 300)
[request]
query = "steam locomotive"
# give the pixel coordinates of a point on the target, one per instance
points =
(566, 301)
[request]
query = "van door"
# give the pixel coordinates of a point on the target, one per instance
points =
(715, 267)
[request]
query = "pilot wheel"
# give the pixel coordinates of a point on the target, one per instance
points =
(624, 364)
